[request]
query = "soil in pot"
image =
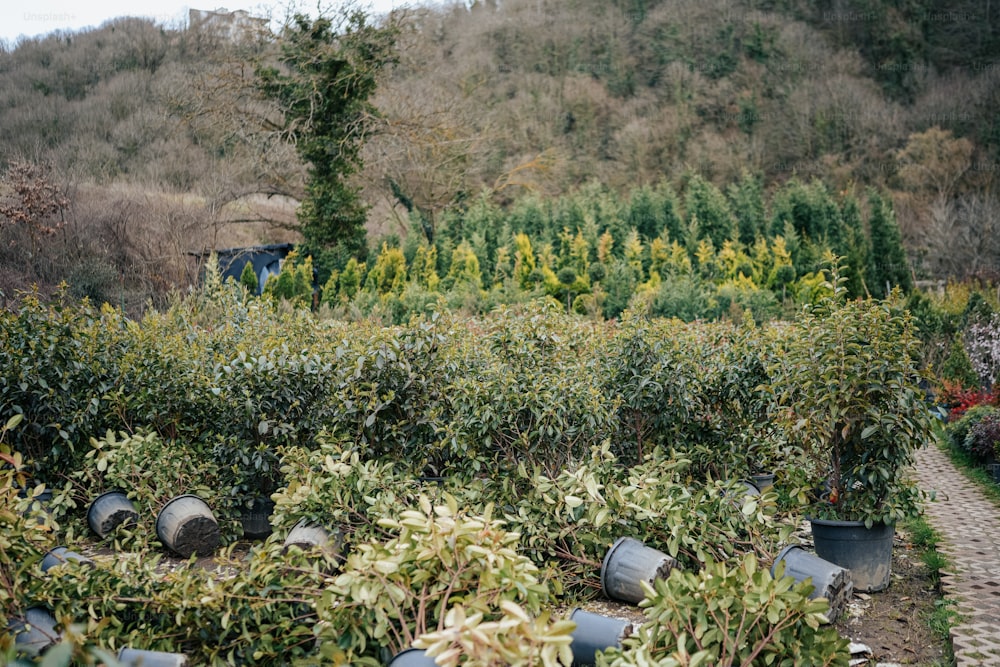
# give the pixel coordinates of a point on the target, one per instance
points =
(110, 510)
(187, 526)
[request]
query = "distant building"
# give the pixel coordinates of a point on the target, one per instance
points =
(235, 26)
(266, 261)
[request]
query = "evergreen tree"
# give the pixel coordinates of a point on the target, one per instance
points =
(645, 214)
(673, 222)
(706, 204)
(747, 202)
(855, 251)
(350, 279)
(887, 266)
(248, 278)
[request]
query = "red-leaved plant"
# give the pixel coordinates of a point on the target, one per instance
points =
(958, 399)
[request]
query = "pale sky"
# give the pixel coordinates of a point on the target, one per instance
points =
(40, 17)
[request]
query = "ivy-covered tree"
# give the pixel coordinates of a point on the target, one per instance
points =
(324, 78)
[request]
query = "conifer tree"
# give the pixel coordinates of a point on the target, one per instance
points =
(887, 267)
(248, 278)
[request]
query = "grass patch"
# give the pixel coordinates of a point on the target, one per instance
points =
(943, 617)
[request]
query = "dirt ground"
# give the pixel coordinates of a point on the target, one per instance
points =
(893, 623)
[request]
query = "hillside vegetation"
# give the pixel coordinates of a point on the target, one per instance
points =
(161, 144)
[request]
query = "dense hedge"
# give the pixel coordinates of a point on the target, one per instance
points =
(554, 434)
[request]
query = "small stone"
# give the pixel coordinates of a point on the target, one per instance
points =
(859, 649)
(863, 596)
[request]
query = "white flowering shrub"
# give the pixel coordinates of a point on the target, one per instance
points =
(982, 342)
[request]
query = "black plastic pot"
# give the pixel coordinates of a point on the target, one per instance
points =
(763, 480)
(133, 657)
(594, 633)
(187, 526)
(866, 552)
(412, 657)
(627, 564)
(830, 581)
(61, 555)
(34, 632)
(110, 510)
(308, 536)
(256, 519)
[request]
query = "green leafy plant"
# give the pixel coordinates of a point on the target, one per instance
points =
(848, 391)
(151, 471)
(730, 614)
(514, 639)
(390, 593)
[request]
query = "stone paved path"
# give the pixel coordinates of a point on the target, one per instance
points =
(969, 526)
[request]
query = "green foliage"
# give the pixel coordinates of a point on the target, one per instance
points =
(704, 203)
(517, 395)
(60, 365)
(327, 75)
(959, 431)
(848, 381)
(390, 593)
(957, 367)
(248, 278)
(294, 282)
(888, 266)
(730, 614)
(514, 639)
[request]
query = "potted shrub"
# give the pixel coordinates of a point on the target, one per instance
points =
(390, 593)
(730, 614)
(848, 387)
(164, 479)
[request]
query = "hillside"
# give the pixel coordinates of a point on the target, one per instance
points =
(158, 140)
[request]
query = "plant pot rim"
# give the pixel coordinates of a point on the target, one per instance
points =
(783, 552)
(852, 523)
(173, 499)
(611, 551)
(108, 493)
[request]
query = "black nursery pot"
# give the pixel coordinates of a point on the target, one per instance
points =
(593, 633)
(412, 657)
(61, 555)
(628, 563)
(187, 526)
(256, 519)
(829, 580)
(34, 632)
(308, 536)
(866, 552)
(110, 510)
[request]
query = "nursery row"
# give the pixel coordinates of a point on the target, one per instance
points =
(408, 568)
(557, 436)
